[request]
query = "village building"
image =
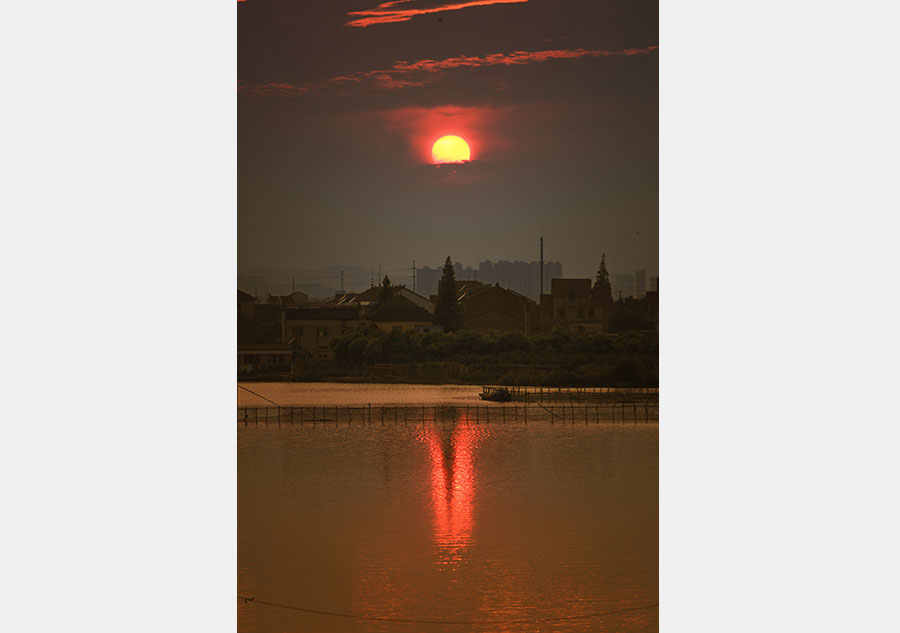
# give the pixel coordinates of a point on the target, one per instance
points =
(369, 299)
(245, 303)
(486, 308)
(575, 306)
(296, 298)
(309, 330)
(400, 314)
(254, 358)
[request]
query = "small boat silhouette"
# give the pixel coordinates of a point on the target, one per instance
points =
(496, 394)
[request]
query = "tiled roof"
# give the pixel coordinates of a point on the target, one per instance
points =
(399, 309)
(477, 290)
(322, 313)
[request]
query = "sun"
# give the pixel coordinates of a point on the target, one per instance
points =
(450, 149)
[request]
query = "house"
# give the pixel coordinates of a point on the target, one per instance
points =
(399, 314)
(245, 303)
(486, 308)
(310, 329)
(573, 305)
(256, 357)
(369, 299)
(296, 298)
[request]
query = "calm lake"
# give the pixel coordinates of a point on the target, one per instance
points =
(470, 527)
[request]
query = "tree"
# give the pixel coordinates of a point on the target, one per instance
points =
(601, 284)
(446, 312)
(386, 291)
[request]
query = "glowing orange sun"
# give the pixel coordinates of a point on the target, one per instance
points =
(450, 149)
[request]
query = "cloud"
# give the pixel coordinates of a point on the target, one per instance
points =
(275, 89)
(387, 12)
(404, 74)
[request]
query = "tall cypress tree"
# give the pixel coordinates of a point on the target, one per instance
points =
(601, 284)
(447, 312)
(386, 291)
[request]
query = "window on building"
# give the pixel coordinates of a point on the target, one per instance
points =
(561, 313)
(590, 313)
(322, 331)
(571, 296)
(580, 313)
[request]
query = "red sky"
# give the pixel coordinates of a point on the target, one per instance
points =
(556, 98)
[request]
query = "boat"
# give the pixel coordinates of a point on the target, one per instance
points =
(496, 394)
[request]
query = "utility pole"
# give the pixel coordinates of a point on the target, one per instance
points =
(293, 289)
(372, 278)
(342, 281)
(542, 262)
(414, 275)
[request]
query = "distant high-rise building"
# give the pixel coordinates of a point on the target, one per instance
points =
(624, 285)
(640, 283)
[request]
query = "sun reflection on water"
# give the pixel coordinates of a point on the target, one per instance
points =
(451, 455)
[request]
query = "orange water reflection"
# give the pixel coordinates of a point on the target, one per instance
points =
(451, 452)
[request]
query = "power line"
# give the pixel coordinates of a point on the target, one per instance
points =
(585, 616)
(260, 395)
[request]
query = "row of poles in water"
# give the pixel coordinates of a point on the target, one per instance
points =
(471, 414)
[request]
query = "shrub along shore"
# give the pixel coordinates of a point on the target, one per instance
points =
(558, 359)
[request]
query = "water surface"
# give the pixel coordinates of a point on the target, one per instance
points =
(452, 521)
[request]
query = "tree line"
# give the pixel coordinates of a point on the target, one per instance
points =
(557, 357)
